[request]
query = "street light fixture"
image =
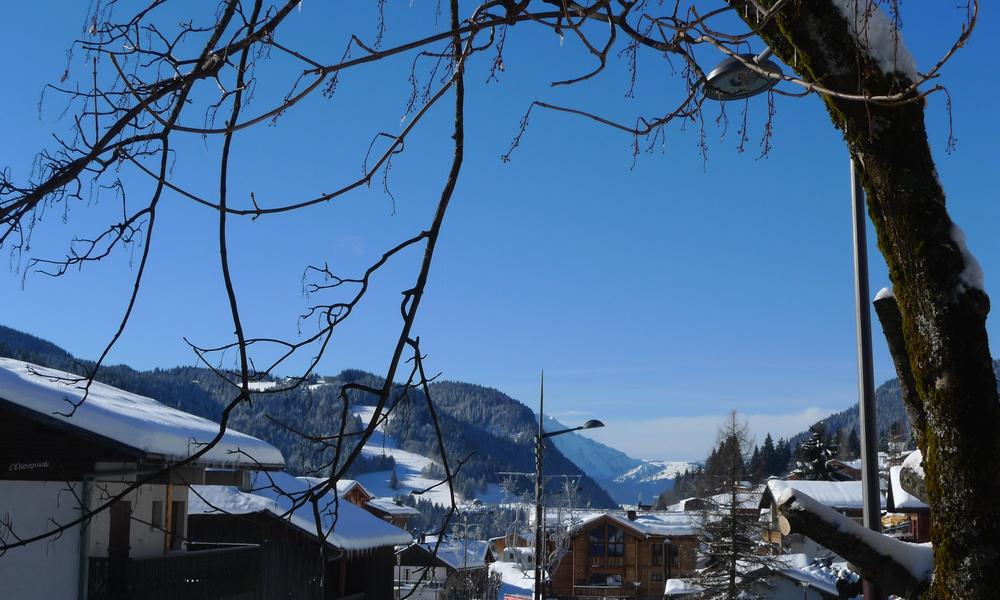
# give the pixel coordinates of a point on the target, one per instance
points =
(539, 451)
(732, 79)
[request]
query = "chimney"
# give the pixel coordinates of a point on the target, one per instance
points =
(631, 515)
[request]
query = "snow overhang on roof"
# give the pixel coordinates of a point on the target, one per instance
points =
(126, 419)
(345, 525)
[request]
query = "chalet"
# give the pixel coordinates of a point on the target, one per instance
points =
(60, 464)
(842, 496)
(429, 570)
(384, 508)
(388, 509)
(918, 514)
(626, 556)
(353, 491)
(275, 512)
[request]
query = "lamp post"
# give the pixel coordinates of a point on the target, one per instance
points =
(539, 451)
(732, 79)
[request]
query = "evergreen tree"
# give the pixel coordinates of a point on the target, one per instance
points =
(734, 564)
(813, 454)
(854, 444)
(394, 479)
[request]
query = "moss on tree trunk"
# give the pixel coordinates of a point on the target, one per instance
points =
(944, 320)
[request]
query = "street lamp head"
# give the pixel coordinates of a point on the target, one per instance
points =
(592, 424)
(731, 79)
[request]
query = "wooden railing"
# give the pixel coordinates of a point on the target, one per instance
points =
(232, 573)
(600, 591)
(607, 561)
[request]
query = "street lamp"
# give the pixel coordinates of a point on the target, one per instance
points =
(732, 79)
(539, 450)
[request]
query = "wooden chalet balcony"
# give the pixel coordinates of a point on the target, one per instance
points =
(602, 591)
(232, 573)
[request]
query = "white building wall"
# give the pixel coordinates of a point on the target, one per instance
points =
(48, 568)
(144, 540)
(431, 588)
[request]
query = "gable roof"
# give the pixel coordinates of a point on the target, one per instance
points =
(454, 554)
(124, 419)
(669, 524)
(345, 525)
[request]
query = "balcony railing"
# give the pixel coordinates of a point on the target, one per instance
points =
(232, 573)
(601, 591)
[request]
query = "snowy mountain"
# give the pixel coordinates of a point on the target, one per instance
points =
(410, 470)
(627, 479)
(655, 470)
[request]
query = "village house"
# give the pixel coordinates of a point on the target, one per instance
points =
(387, 509)
(626, 556)
(352, 491)
(275, 513)
(59, 463)
(429, 569)
(843, 496)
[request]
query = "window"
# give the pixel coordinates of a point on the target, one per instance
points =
(597, 542)
(656, 577)
(672, 553)
(156, 518)
(177, 520)
(657, 555)
(605, 579)
(616, 541)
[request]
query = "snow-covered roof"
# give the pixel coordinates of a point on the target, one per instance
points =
(902, 501)
(842, 495)
(681, 587)
(670, 524)
(458, 553)
(129, 419)
(388, 505)
(345, 525)
(745, 500)
(346, 485)
(660, 523)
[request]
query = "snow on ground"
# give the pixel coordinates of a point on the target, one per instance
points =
(262, 386)
(515, 581)
(408, 469)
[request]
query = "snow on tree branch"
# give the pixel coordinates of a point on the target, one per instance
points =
(899, 567)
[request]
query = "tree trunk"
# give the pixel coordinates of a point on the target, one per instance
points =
(943, 313)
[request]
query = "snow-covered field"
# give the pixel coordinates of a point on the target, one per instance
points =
(408, 469)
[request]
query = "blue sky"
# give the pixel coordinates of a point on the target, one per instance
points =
(657, 297)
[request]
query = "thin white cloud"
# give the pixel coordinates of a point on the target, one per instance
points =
(692, 437)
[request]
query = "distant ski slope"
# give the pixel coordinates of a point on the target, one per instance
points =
(408, 469)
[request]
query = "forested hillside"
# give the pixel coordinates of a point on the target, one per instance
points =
(490, 431)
